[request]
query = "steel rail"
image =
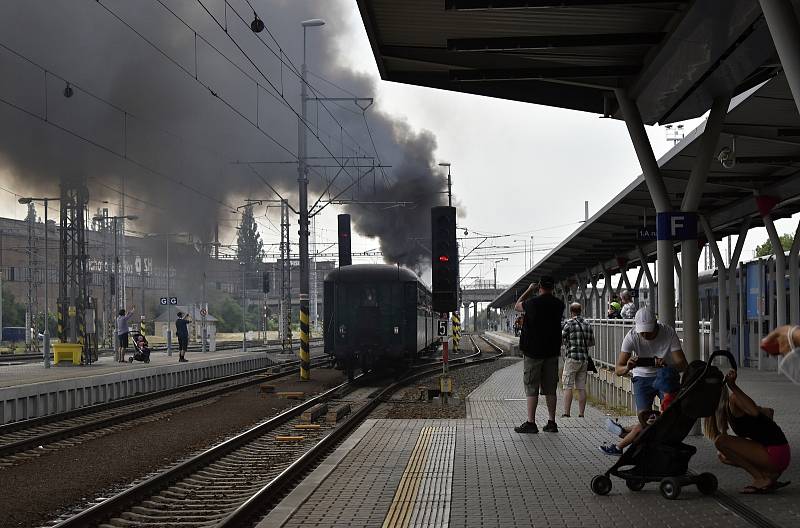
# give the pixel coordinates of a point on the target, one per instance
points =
(79, 429)
(275, 489)
(42, 420)
(102, 511)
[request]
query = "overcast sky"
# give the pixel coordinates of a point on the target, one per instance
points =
(518, 169)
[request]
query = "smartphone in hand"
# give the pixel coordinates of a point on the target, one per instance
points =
(646, 362)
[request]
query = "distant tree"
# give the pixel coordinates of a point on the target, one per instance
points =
(249, 247)
(765, 249)
(13, 311)
(31, 216)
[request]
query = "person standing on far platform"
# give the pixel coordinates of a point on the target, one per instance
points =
(577, 336)
(182, 331)
(540, 343)
(122, 333)
(628, 310)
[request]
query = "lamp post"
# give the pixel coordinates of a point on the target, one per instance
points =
(525, 249)
(244, 308)
(169, 297)
(26, 201)
(114, 220)
(302, 180)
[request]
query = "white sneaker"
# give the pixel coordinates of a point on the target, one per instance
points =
(614, 427)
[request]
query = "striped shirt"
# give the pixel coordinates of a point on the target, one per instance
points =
(577, 336)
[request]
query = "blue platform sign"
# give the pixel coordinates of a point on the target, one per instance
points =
(676, 225)
(753, 284)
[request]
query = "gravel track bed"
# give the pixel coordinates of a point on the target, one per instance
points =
(66, 480)
(407, 404)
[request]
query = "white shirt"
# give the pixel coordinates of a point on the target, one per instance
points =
(666, 341)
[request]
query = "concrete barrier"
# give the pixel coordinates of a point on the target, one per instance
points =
(22, 402)
(507, 342)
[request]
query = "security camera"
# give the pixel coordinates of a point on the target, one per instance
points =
(727, 157)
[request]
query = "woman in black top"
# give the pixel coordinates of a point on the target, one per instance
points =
(759, 447)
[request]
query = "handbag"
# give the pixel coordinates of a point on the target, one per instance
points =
(590, 366)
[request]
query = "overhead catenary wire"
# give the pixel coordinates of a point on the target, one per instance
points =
(197, 79)
(247, 57)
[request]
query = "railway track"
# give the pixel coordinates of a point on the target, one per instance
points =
(30, 438)
(231, 483)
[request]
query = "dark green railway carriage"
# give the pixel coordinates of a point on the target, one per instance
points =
(377, 315)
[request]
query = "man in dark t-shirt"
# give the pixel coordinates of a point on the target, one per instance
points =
(182, 331)
(540, 343)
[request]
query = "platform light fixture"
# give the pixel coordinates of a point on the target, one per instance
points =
(314, 22)
(257, 25)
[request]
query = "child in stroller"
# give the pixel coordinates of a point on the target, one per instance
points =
(141, 350)
(659, 454)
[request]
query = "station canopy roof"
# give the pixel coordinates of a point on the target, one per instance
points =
(766, 128)
(671, 57)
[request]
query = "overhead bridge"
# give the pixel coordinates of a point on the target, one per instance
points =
(473, 297)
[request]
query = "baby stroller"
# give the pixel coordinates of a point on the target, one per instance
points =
(658, 454)
(141, 351)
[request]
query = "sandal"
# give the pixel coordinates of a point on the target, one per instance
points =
(755, 490)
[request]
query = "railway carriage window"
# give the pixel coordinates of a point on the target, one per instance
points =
(369, 297)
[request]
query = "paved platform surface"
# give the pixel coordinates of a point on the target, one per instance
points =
(478, 472)
(28, 373)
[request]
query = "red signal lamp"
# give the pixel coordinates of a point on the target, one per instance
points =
(444, 258)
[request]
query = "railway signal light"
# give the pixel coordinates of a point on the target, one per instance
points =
(345, 256)
(445, 259)
(265, 282)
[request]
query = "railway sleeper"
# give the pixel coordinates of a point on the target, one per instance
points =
(202, 516)
(315, 412)
(338, 413)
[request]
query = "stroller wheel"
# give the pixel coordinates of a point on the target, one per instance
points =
(601, 484)
(635, 485)
(670, 488)
(130, 359)
(707, 483)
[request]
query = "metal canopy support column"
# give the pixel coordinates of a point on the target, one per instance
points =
(734, 303)
(475, 318)
(785, 30)
(690, 252)
(594, 293)
(794, 278)
(639, 277)
(608, 288)
(658, 193)
(780, 269)
(722, 285)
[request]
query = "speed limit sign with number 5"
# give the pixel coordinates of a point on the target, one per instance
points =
(442, 328)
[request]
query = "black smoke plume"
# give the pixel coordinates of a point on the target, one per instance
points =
(172, 140)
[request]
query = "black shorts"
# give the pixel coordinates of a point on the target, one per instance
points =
(183, 342)
(123, 340)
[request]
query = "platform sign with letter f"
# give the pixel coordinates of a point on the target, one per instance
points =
(676, 225)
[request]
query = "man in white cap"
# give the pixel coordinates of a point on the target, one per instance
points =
(649, 346)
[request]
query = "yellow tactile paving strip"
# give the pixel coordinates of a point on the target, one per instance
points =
(424, 494)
